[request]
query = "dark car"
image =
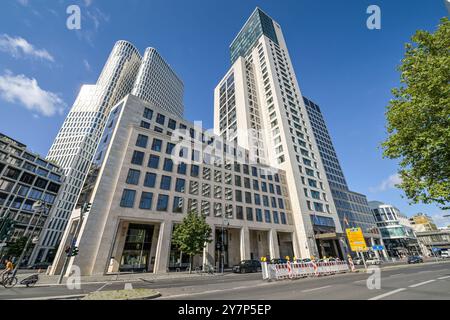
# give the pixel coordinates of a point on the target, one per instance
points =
(247, 266)
(415, 259)
(41, 265)
(278, 261)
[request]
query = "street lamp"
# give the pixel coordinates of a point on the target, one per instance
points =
(38, 207)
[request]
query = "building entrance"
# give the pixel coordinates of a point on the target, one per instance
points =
(136, 252)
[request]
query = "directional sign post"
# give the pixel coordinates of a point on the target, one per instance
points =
(357, 242)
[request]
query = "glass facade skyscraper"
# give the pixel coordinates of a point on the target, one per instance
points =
(257, 25)
(352, 207)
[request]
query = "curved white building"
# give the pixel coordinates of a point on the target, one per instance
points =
(75, 145)
(157, 83)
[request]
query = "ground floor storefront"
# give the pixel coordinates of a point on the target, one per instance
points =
(146, 247)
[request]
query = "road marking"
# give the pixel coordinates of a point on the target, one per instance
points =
(421, 283)
(360, 281)
(74, 296)
(316, 289)
(443, 278)
(128, 286)
(396, 275)
(211, 291)
(426, 271)
(387, 294)
(101, 288)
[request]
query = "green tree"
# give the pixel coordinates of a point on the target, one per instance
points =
(418, 118)
(16, 248)
(191, 235)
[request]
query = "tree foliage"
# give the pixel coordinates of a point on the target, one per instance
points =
(191, 235)
(418, 118)
(15, 249)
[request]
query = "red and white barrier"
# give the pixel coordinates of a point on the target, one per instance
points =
(300, 270)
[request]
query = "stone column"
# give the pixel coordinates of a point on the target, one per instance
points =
(273, 244)
(245, 243)
(209, 252)
(372, 243)
(384, 252)
(154, 247)
(163, 248)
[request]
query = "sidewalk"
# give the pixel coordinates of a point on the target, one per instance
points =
(46, 280)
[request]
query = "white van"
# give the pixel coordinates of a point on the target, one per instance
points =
(445, 254)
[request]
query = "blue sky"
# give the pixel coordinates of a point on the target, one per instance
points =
(346, 68)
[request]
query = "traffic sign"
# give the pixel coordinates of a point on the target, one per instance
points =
(378, 248)
(356, 239)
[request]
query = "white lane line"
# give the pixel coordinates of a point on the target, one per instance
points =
(316, 289)
(128, 286)
(390, 293)
(443, 278)
(212, 291)
(360, 281)
(103, 286)
(74, 296)
(396, 275)
(421, 283)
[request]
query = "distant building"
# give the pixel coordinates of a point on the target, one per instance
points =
(396, 230)
(434, 241)
(422, 222)
(25, 178)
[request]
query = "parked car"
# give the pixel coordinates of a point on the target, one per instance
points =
(415, 259)
(445, 255)
(373, 262)
(247, 266)
(358, 261)
(278, 261)
(304, 261)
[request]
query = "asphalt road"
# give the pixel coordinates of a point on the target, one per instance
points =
(417, 282)
(420, 282)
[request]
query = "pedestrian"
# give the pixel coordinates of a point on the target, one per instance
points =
(9, 267)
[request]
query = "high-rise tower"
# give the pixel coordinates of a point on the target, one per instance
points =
(74, 147)
(259, 105)
(352, 207)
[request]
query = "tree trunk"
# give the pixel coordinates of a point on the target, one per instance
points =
(190, 264)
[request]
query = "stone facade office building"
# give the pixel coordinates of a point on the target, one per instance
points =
(125, 72)
(142, 192)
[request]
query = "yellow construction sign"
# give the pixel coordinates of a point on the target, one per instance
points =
(356, 239)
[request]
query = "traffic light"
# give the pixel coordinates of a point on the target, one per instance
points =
(86, 207)
(75, 251)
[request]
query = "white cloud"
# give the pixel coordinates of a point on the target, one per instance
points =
(27, 92)
(87, 3)
(23, 2)
(389, 183)
(87, 65)
(17, 46)
(440, 220)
